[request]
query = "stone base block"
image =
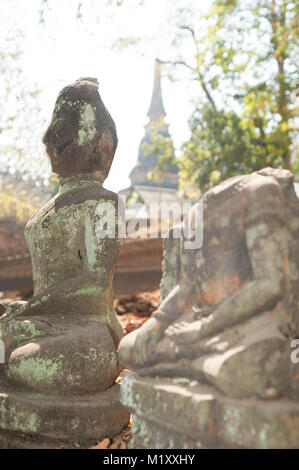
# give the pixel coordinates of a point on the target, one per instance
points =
(29, 420)
(181, 414)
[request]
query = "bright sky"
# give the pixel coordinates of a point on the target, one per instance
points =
(64, 49)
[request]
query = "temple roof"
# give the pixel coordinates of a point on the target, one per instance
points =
(157, 107)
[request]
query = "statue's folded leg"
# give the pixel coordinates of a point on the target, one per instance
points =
(251, 359)
(65, 361)
(259, 369)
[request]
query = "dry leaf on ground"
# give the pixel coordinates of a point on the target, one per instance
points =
(104, 444)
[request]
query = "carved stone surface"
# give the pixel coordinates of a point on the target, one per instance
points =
(61, 361)
(238, 303)
(184, 414)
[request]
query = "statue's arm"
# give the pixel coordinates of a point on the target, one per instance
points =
(176, 302)
(138, 348)
(171, 263)
(181, 295)
(177, 285)
(88, 291)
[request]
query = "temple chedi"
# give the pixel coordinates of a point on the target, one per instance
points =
(148, 160)
(148, 157)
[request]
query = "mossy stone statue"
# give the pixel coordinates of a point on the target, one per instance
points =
(228, 319)
(58, 381)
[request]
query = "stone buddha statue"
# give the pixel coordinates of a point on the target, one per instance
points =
(214, 365)
(230, 308)
(64, 340)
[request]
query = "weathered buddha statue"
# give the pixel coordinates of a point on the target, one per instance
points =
(63, 341)
(231, 308)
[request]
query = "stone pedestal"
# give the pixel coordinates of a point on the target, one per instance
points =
(31, 420)
(183, 414)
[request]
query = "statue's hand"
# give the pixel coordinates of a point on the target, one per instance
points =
(16, 309)
(2, 309)
(186, 333)
(13, 309)
(137, 348)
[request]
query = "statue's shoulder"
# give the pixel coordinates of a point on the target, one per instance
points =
(41, 213)
(259, 186)
(92, 193)
(266, 200)
(75, 197)
(259, 193)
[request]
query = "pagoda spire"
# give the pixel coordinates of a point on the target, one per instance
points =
(156, 109)
(147, 160)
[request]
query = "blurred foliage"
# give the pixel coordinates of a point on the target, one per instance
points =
(242, 54)
(11, 206)
(133, 198)
(249, 55)
(19, 111)
(21, 121)
(161, 146)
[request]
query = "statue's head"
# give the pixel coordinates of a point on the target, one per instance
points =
(81, 138)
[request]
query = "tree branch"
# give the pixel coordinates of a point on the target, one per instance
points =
(176, 62)
(200, 77)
